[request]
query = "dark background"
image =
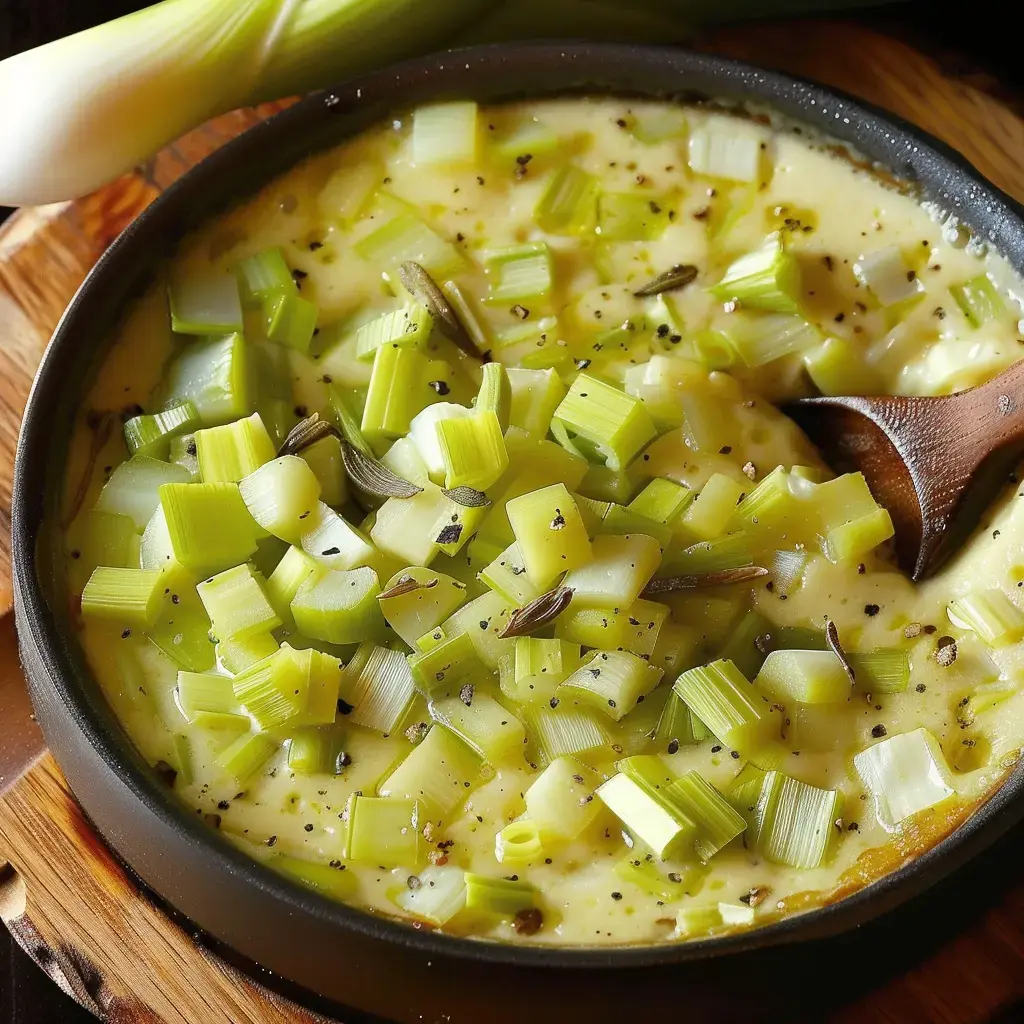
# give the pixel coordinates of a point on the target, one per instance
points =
(972, 38)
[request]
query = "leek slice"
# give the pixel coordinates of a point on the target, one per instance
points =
(316, 751)
(384, 832)
(883, 670)
(246, 755)
(853, 540)
(698, 920)
(204, 302)
(324, 459)
(768, 278)
(281, 495)
(761, 338)
(237, 605)
(743, 648)
(809, 677)
(616, 424)
(650, 876)
(550, 533)
(990, 614)
(405, 238)
(886, 275)
(291, 321)
(612, 681)
(482, 723)
(905, 774)
(481, 620)
(103, 538)
(439, 773)
(718, 824)
(292, 571)
(214, 376)
(407, 529)
(339, 607)
(664, 829)
(472, 450)
(209, 526)
(383, 691)
(234, 450)
(445, 667)
(506, 575)
(518, 844)
(408, 327)
(569, 204)
(151, 434)
(440, 895)
(264, 276)
(634, 629)
(399, 389)
(420, 609)
(731, 707)
(497, 897)
(631, 216)
(795, 824)
(128, 597)
(723, 147)
(678, 726)
(662, 500)
(556, 732)
(560, 801)
(330, 879)
(532, 674)
(444, 133)
(133, 489)
(619, 569)
(979, 300)
(535, 395)
(519, 274)
(713, 508)
(236, 655)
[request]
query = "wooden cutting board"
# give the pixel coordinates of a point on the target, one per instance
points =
(76, 911)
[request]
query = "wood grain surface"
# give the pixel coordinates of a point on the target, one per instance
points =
(84, 920)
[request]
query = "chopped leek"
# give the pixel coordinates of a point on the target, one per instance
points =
(905, 773)
(555, 732)
(383, 832)
(518, 844)
(885, 274)
(532, 674)
(331, 879)
(663, 828)
(550, 533)
(133, 489)
(447, 666)
(281, 495)
(214, 376)
(264, 276)
(482, 723)
(795, 823)
(382, 692)
(246, 755)
(535, 395)
(236, 655)
(853, 540)
(340, 607)
(324, 459)
(418, 606)
(718, 824)
(634, 629)
(151, 434)
(209, 526)
(520, 274)
(697, 920)
(105, 538)
(631, 216)
(650, 876)
(291, 321)
(438, 772)
(723, 147)
(990, 614)
(497, 897)
(662, 500)
(809, 677)
(743, 648)
(678, 727)
(731, 707)
(761, 338)
(439, 896)
(268, 694)
(618, 571)
(506, 574)
(237, 606)
(709, 514)
(615, 424)
(884, 670)
(978, 300)
(316, 751)
(472, 450)
(569, 204)
(408, 327)
(204, 302)
(406, 238)
(129, 597)
(292, 571)
(445, 133)
(611, 681)
(560, 801)
(768, 278)
(399, 389)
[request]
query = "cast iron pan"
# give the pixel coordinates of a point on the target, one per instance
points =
(364, 962)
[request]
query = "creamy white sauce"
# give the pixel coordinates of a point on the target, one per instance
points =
(487, 208)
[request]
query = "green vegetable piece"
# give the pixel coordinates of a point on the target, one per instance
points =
(281, 496)
(632, 216)
(151, 434)
(209, 526)
(619, 569)
(979, 300)
(612, 682)
(133, 489)
(214, 376)
(482, 723)
(535, 395)
(422, 599)
(382, 692)
(808, 677)
(247, 755)
(795, 824)
(634, 629)
(128, 597)
(560, 801)
(291, 321)
(408, 327)
(518, 844)
(990, 614)
(472, 450)
(550, 533)
(264, 276)
(569, 204)
(204, 302)
(339, 607)
(533, 672)
(383, 832)
(237, 605)
(768, 278)
(497, 898)
(519, 274)
(447, 666)
(445, 133)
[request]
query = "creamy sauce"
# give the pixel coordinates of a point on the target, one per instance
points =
(933, 351)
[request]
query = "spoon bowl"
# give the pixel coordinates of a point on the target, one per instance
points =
(934, 463)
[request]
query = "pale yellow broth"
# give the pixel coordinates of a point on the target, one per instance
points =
(854, 212)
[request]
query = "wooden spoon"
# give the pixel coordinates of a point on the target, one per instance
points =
(934, 463)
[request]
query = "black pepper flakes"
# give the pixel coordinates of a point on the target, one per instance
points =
(673, 746)
(871, 610)
(878, 731)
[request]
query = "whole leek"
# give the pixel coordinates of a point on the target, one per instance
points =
(85, 109)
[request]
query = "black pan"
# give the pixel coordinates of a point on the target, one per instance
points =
(353, 958)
